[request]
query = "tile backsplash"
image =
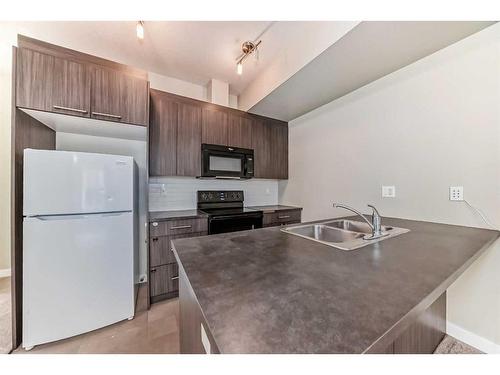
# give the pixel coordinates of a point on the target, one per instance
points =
(179, 193)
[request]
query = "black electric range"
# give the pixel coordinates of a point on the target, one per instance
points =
(226, 212)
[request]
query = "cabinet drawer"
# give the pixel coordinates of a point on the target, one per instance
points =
(160, 248)
(164, 279)
(174, 227)
(281, 217)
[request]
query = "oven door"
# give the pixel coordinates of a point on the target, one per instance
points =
(234, 223)
(222, 161)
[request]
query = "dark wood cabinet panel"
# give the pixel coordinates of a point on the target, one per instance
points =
(164, 279)
(189, 140)
(239, 131)
(261, 144)
(282, 217)
(214, 127)
(163, 135)
(423, 336)
(279, 151)
(134, 103)
(118, 97)
(160, 248)
(71, 88)
(178, 130)
(34, 75)
(106, 94)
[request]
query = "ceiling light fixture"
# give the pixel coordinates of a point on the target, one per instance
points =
(247, 49)
(140, 29)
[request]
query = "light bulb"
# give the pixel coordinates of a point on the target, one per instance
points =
(239, 68)
(140, 30)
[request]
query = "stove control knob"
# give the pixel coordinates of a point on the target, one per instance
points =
(210, 196)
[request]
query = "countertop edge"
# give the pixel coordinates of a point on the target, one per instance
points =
(401, 325)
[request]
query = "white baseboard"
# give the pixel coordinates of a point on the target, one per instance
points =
(472, 339)
(5, 272)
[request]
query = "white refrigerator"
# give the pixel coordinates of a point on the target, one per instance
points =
(79, 243)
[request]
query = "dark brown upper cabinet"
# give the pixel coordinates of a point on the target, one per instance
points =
(214, 127)
(34, 75)
(178, 126)
(71, 88)
(239, 131)
(163, 135)
(56, 79)
(279, 150)
(261, 144)
(189, 140)
(118, 97)
(106, 94)
(134, 94)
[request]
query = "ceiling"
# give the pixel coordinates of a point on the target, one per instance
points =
(366, 53)
(191, 51)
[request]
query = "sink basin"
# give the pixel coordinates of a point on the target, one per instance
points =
(325, 233)
(342, 234)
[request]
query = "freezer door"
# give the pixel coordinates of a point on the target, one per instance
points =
(78, 274)
(62, 182)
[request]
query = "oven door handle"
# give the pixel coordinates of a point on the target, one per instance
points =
(246, 216)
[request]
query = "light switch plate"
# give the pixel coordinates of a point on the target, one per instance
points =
(388, 191)
(456, 193)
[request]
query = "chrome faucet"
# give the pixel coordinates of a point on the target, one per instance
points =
(375, 224)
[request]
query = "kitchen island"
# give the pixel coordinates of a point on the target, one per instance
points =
(265, 291)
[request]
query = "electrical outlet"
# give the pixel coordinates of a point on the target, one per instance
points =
(388, 191)
(456, 193)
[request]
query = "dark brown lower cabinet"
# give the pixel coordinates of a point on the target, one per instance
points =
(164, 280)
(282, 217)
(422, 336)
(163, 270)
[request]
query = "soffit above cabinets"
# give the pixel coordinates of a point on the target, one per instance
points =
(368, 52)
(88, 126)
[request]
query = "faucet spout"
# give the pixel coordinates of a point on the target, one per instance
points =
(375, 224)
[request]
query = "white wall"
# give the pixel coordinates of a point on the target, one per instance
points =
(179, 193)
(184, 88)
(428, 126)
(113, 146)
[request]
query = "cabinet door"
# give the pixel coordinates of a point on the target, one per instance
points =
(164, 279)
(261, 144)
(239, 131)
(71, 88)
(189, 140)
(134, 94)
(106, 94)
(279, 150)
(163, 135)
(214, 127)
(34, 80)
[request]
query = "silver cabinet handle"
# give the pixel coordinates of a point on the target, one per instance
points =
(175, 277)
(70, 109)
(284, 217)
(106, 115)
(181, 227)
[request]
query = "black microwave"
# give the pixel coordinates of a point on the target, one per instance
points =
(226, 162)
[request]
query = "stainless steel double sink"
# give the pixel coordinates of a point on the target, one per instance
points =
(342, 234)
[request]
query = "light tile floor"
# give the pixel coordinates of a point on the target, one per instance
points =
(150, 332)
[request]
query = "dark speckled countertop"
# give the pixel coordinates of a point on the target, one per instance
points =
(177, 214)
(265, 291)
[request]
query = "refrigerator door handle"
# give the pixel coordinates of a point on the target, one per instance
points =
(76, 216)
